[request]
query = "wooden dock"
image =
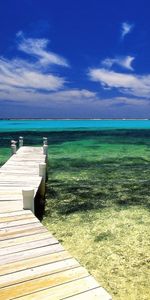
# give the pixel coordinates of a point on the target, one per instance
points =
(33, 264)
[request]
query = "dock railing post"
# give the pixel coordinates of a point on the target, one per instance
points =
(42, 173)
(44, 140)
(13, 147)
(20, 141)
(28, 198)
(45, 146)
(45, 152)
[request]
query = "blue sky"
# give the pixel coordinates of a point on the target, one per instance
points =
(75, 59)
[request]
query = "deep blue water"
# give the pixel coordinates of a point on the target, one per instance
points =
(58, 125)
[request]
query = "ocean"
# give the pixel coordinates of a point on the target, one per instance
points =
(98, 180)
(60, 125)
(91, 151)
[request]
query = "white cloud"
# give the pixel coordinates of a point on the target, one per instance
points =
(31, 80)
(83, 103)
(126, 29)
(19, 75)
(31, 74)
(125, 101)
(123, 61)
(41, 98)
(38, 48)
(125, 83)
(74, 94)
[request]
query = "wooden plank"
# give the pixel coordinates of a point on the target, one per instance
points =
(63, 291)
(19, 179)
(14, 175)
(38, 242)
(33, 262)
(10, 206)
(21, 227)
(36, 272)
(94, 294)
(33, 250)
(25, 232)
(10, 190)
(20, 184)
(35, 149)
(18, 164)
(19, 222)
(14, 213)
(41, 283)
(22, 181)
(10, 193)
(18, 171)
(27, 156)
(10, 197)
(16, 217)
(27, 164)
(25, 239)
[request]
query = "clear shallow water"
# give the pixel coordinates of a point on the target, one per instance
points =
(59, 125)
(97, 172)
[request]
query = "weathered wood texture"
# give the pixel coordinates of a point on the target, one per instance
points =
(20, 171)
(33, 265)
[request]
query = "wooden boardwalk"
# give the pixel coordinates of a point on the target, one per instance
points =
(33, 264)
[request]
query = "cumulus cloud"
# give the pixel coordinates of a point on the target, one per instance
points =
(126, 28)
(137, 85)
(28, 74)
(31, 79)
(19, 75)
(123, 61)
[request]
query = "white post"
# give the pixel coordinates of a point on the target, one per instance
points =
(20, 141)
(13, 147)
(42, 173)
(28, 198)
(44, 141)
(42, 170)
(45, 149)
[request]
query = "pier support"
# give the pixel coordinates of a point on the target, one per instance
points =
(13, 147)
(44, 141)
(45, 149)
(42, 173)
(20, 141)
(28, 198)
(45, 152)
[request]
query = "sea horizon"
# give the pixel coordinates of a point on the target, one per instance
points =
(10, 125)
(75, 119)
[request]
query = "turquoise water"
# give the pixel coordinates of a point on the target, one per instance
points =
(98, 169)
(53, 125)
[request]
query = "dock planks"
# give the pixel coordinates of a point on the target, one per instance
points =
(33, 264)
